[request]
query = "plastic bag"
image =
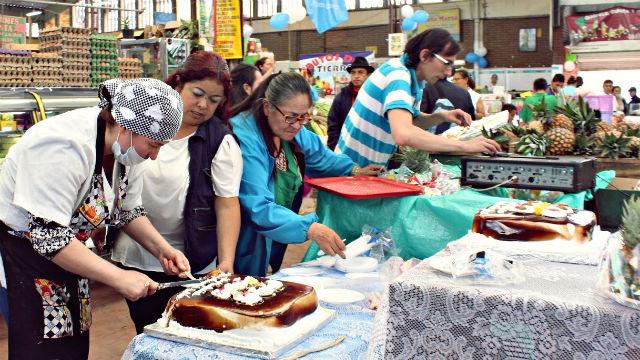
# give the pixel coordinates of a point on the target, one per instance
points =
(619, 272)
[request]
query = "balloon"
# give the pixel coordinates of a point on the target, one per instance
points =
(297, 14)
(408, 24)
(279, 21)
(482, 62)
(420, 16)
(406, 11)
(247, 30)
(569, 66)
(471, 57)
(482, 51)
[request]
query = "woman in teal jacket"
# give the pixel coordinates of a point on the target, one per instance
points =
(277, 152)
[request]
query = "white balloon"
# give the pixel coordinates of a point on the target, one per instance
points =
(482, 51)
(247, 30)
(406, 11)
(296, 14)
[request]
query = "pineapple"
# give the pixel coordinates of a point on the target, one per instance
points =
(630, 230)
(634, 143)
(583, 117)
(537, 126)
(498, 135)
(561, 121)
(416, 160)
(613, 146)
(532, 144)
(584, 145)
(561, 141)
(603, 127)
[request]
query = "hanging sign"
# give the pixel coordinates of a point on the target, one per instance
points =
(227, 29)
(616, 23)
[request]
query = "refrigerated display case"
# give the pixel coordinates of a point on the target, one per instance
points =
(160, 57)
(20, 108)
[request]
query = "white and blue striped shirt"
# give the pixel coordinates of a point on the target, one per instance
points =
(366, 134)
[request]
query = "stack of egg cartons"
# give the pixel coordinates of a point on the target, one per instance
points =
(46, 69)
(15, 68)
(72, 44)
(104, 58)
(129, 68)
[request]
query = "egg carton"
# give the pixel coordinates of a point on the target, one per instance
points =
(104, 53)
(77, 68)
(46, 73)
(104, 62)
(15, 82)
(46, 82)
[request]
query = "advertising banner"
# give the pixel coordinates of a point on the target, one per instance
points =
(227, 29)
(331, 67)
(448, 19)
(13, 30)
(616, 23)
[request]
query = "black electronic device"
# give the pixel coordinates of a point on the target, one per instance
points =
(562, 173)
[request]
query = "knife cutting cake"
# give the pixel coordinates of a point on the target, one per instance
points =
(534, 220)
(223, 302)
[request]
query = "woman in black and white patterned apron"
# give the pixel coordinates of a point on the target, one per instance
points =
(55, 194)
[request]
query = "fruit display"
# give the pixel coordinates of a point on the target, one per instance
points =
(104, 58)
(15, 68)
(573, 129)
(129, 68)
(72, 46)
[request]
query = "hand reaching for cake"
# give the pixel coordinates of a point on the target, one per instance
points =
(327, 239)
(134, 285)
(174, 262)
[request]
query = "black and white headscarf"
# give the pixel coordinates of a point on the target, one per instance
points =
(147, 107)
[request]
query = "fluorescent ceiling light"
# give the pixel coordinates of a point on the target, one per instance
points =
(33, 13)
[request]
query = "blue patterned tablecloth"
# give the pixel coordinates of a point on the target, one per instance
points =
(354, 321)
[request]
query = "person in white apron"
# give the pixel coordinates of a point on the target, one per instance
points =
(54, 194)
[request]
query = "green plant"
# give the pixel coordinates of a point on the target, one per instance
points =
(125, 23)
(415, 159)
(584, 145)
(630, 230)
(579, 111)
(614, 146)
(532, 144)
(497, 135)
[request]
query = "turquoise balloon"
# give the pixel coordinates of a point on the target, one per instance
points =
(482, 62)
(408, 24)
(471, 57)
(279, 20)
(420, 16)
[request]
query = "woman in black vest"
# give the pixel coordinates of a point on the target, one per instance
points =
(193, 186)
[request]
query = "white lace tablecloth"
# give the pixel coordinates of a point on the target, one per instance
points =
(556, 313)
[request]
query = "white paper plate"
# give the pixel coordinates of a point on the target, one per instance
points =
(317, 282)
(302, 271)
(340, 296)
(358, 275)
(361, 264)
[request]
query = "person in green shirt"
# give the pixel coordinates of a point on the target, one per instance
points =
(540, 89)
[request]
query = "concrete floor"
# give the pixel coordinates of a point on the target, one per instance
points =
(112, 329)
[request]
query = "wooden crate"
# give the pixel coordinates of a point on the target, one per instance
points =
(627, 168)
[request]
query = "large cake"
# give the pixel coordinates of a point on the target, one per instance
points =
(534, 220)
(222, 301)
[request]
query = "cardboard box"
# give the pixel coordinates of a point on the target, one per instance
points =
(609, 201)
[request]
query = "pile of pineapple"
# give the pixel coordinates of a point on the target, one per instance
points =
(573, 129)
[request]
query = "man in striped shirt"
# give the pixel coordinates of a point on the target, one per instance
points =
(388, 103)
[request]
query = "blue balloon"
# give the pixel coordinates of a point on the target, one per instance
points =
(279, 20)
(420, 16)
(482, 62)
(471, 57)
(408, 24)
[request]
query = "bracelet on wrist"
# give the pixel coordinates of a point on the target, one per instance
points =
(355, 170)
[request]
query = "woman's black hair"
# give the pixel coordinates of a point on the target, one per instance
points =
(465, 75)
(260, 62)
(437, 41)
(240, 75)
(277, 88)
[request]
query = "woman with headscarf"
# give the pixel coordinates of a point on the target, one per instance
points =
(57, 189)
(191, 191)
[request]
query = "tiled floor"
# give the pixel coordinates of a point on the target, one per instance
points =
(112, 328)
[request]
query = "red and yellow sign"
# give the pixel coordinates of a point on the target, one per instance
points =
(227, 28)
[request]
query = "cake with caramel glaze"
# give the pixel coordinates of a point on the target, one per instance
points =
(223, 302)
(534, 220)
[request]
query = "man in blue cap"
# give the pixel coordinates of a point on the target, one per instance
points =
(360, 71)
